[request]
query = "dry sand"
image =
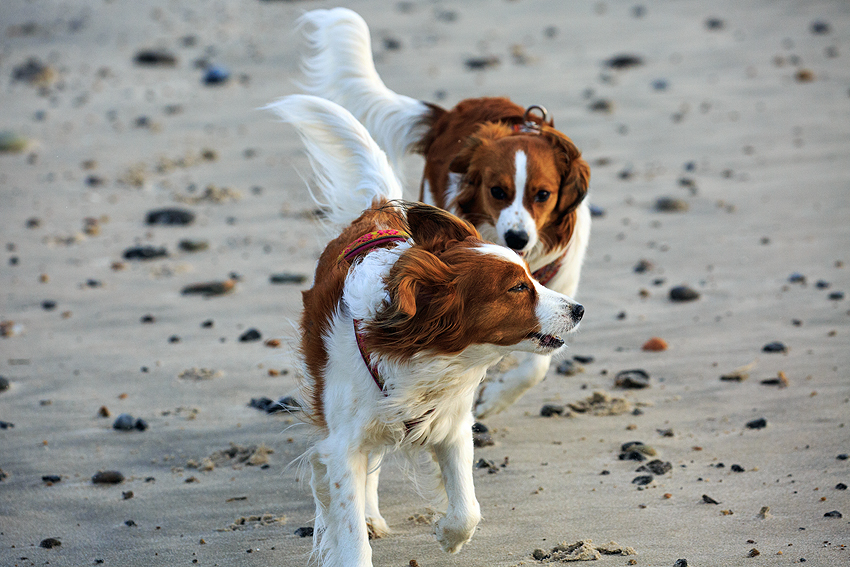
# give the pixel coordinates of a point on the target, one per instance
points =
(744, 119)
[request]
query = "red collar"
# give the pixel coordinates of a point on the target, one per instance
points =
(545, 274)
(371, 240)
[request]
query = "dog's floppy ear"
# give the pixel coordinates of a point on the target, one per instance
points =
(462, 163)
(433, 229)
(416, 278)
(574, 170)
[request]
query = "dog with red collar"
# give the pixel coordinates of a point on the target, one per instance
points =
(408, 309)
(505, 169)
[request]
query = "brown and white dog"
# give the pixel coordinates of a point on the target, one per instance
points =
(520, 181)
(408, 309)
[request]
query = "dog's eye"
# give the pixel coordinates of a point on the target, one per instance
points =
(498, 193)
(542, 196)
(522, 286)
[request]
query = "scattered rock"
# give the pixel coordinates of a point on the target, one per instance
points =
(709, 500)
(583, 359)
(6, 425)
(683, 293)
(753, 553)
(624, 61)
(656, 467)
(567, 368)
(286, 404)
(216, 75)
(836, 295)
(597, 211)
(34, 72)
(491, 466)
(601, 403)
(737, 468)
(713, 24)
(286, 278)
(107, 477)
(155, 58)
(126, 422)
(10, 329)
(840, 486)
(304, 532)
(739, 374)
(50, 543)
(781, 380)
(51, 479)
(144, 253)
(804, 76)
(775, 346)
(12, 143)
(249, 336)
(764, 513)
(671, 204)
(4, 384)
(643, 266)
(583, 550)
(655, 344)
(188, 245)
(833, 514)
(197, 374)
(602, 105)
(210, 289)
(480, 63)
(482, 439)
(550, 410)
(759, 423)
(632, 379)
(170, 217)
(643, 480)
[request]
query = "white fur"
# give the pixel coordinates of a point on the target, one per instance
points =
(349, 170)
(516, 217)
(340, 68)
(429, 396)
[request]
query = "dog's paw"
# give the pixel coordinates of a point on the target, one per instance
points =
(377, 527)
(453, 532)
(490, 400)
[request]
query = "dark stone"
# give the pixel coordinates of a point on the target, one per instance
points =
(286, 278)
(833, 514)
(539, 555)
(709, 500)
(566, 368)
(170, 217)
(108, 477)
(596, 211)
(797, 277)
(714, 24)
(208, 324)
(840, 486)
(304, 532)
(775, 346)
(842, 457)
(681, 563)
(479, 427)
(482, 440)
(821, 284)
(583, 359)
(124, 422)
(643, 480)
(148, 319)
(479, 63)
(155, 58)
(737, 468)
(286, 403)
(819, 27)
(4, 384)
(48, 305)
(624, 61)
(632, 456)
(187, 245)
(643, 266)
(759, 423)
(6, 425)
(550, 410)
(216, 75)
(51, 478)
(144, 253)
(50, 543)
(656, 467)
(173, 339)
(683, 293)
(251, 335)
(140, 424)
(633, 379)
(836, 295)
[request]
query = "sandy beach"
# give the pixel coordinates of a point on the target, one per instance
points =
(718, 135)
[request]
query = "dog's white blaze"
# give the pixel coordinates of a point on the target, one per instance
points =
(515, 216)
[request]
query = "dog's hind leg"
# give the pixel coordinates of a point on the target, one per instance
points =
(321, 494)
(375, 523)
(499, 392)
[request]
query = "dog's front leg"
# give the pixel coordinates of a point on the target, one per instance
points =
(454, 456)
(375, 523)
(500, 392)
(347, 469)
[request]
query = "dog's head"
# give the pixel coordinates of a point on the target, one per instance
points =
(452, 290)
(524, 184)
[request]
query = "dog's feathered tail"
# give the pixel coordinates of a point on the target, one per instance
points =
(339, 67)
(350, 172)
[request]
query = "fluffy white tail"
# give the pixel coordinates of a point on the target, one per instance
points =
(349, 169)
(339, 67)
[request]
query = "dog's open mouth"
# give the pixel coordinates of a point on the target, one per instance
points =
(547, 341)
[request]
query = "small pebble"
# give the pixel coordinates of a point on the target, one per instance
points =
(479, 427)
(550, 410)
(775, 346)
(709, 500)
(643, 266)
(624, 61)
(124, 422)
(304, 532)
(842, 457)
(147, 319)
(655, 344)
(482, 440)
(48, 305)
(643, 480)
(634, 379)
(144, 253)
(187, 245)
(50, 543)
(583, 359)
(155, 58)
(479, 63)
(683, 293)
(797, 277)
(737, 468)
(209, 289)
(819, 27)
(170, 217)
(656, 467)
(51, 478)
(714, 24)
(840, 486)
(566, 368)
(833, 514)
(836, 295)
(250, 335)
(12, 143)
(596, 211)
(216, 75)
(4, 383)
(107, 477)
(671, 204)
(286, 278)
(760, 423)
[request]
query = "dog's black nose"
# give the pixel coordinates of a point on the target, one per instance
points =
(577, 311)
(516, 239)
